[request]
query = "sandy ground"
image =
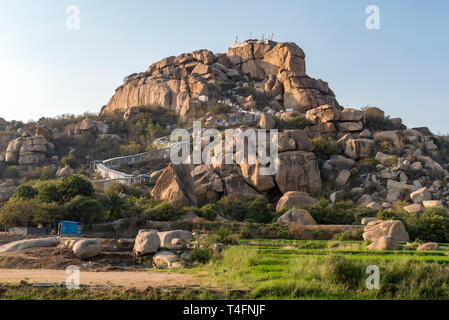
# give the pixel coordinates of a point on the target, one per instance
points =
(139, 280)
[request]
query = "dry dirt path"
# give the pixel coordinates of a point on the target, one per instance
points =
(138, 280)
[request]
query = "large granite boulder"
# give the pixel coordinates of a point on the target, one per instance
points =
(297, 216)
(86, 249)
(176, 186)
(147, 241)
(302, 140)
(208, 184)
(390, 228)
(298, 171)
(252, 175)
(28, 150)
(236, 188)
(294, 199)
(359, 148)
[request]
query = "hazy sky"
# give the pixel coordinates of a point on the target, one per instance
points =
(48, 70)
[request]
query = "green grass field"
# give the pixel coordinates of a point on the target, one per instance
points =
(282, 269)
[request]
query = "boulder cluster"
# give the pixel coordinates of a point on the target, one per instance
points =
(29, 149)
(179, 83)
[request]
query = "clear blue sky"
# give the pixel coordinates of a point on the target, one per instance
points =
(46, 70)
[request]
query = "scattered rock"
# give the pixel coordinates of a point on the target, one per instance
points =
(86, 249)
(343, 177)
(27, 244)
(430, 246)
(337, 196)
(167, 237)
(421, 195)
(432, 203)
(416, 207)
(391, 228)
(294, 199)
(147, 241)
(166, 259)
(384, 243)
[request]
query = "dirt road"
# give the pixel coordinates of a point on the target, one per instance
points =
(139, 280)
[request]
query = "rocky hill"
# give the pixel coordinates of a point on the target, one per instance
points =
(325, 150)
(177, 83)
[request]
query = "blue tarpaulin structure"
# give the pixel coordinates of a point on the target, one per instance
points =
(70, 228)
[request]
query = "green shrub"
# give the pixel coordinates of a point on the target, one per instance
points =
(340, 213)
(47, 191)
(11, 173)
(356, 235)
(223, 235)
(74, 185)
(209, 211)
(324, 147)
(344, 272)
(71, 161)
(373, 113)
(297, 123)
(84, 209)
(226, 86)
(202, 256)
(164, 211)
(249, 210)
(22, 213)
(432, 225)
(25, 192)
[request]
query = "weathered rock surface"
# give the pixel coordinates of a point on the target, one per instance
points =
(297, 216)
(295, 198)
(147, 241)
(208, 184)
(27, 244)
(166, 259)
(86, 249)
(167, 237)
(92, 126)
(237, 189)
(7, 188)
(384, 243)
(359, 148)
(176, 83)
(430, 246)
(176, 186)
(298, 171)
(388, 228)
(421, 195)
(28, 150)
